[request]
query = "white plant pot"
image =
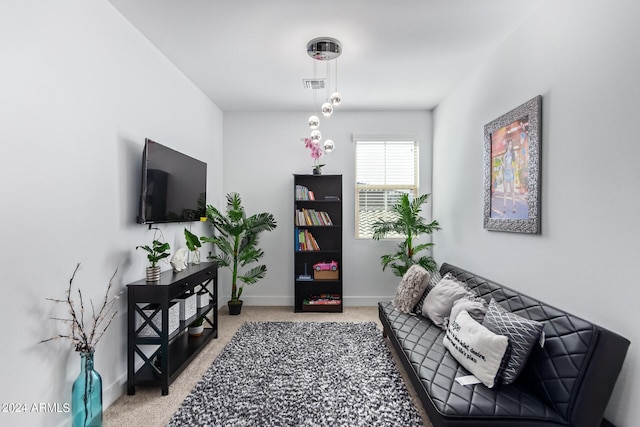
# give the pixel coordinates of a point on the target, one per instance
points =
(195, 331)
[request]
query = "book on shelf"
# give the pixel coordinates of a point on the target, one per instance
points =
(323, 299)
(303, 193)
(312, 217)
(305, 241)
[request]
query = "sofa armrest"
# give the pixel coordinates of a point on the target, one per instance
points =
(599, 378)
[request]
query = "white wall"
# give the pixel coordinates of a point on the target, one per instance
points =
(80, 89)
(263, 151)
(585, 62)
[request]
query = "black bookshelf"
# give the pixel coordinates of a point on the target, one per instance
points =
(317, 238)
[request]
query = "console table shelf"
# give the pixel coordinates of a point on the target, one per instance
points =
(181, 352)
(164, 355)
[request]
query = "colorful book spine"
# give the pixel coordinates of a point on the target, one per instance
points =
(312, 217)
(305, 241)
(303, 193)
(324, 299)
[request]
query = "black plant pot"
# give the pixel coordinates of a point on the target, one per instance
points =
(235, 307)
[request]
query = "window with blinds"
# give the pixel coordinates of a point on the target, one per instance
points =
(384, 171)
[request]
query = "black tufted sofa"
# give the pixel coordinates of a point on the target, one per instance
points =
(567, 382)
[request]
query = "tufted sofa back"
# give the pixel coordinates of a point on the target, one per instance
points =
(568, 371)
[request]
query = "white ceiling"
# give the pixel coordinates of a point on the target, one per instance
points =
(250, 55)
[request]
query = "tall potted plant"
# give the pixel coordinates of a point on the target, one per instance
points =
(407, 222)
(237, 244)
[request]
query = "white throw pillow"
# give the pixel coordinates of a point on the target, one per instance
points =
(476, 348)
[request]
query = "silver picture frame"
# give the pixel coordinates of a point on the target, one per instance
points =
(512, 154)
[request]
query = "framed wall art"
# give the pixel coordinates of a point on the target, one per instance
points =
(512, 170)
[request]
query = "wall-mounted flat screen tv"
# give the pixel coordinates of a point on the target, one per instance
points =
(174, 186)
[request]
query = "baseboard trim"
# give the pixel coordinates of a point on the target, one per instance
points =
(349, 301)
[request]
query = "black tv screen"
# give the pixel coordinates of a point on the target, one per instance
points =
(174, 186)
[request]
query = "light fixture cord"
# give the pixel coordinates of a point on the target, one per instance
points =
(336, 74)
(328, 88)
(315, 78)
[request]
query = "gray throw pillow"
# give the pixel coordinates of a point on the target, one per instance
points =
(475, 306)
(435, 278)
(411, 287)
(437, 305)
(522, 333)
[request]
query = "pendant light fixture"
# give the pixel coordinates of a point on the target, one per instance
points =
(326, 49)
(314, 122)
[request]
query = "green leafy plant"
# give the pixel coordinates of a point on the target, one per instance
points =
(407, 222)
(193, 242)
(237, 241)
(198, 322)
(156, 251)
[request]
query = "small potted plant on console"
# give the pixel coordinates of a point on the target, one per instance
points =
(157, 251)
(196, 327)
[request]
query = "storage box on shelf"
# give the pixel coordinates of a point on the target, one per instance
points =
(188, 305)
(317, 230)
(203, 299)
(326, 275)
(154, 312)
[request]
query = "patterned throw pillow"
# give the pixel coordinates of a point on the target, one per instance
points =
(476, 348)
(522, 333)
(411, 287)
(435, 278)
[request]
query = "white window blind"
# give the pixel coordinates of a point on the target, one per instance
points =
(384, 171)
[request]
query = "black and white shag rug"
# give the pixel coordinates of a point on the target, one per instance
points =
(301, 374)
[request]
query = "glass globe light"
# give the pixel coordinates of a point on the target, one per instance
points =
(336, 98)
(329, 145)
(314, 122)
(315, 135)
(327, 109)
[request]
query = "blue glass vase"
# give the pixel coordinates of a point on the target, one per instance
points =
(86, 400)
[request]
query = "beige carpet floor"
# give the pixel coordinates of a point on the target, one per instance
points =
(148, 408)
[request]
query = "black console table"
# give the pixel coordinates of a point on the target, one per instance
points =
(164, 354)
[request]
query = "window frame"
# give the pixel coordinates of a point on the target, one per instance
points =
(412, 188)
